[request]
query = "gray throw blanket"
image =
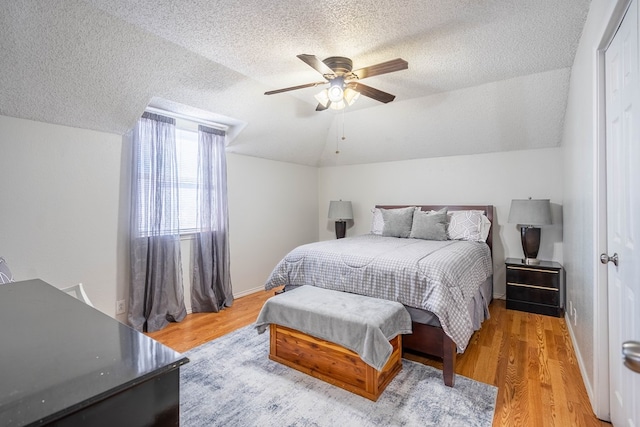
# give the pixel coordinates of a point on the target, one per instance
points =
(362, 324)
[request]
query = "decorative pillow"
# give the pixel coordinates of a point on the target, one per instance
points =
(467, 225)
(397, 222)
(429, 225)
(377, 223)
(5, 273)
(486, 228)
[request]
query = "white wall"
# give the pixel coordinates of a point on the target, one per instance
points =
(581, 147)
(493, 178)
(64, 197)
(60, 194)
(273, 207)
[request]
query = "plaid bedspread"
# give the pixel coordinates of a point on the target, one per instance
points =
(439, 276)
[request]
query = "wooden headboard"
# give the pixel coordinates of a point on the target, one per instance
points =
(488, 211)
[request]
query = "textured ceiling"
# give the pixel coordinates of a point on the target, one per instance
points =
(483, 75)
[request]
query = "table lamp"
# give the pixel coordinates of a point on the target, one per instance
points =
(340, 211)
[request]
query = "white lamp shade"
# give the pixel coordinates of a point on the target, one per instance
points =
(340, 210)
(530, 212)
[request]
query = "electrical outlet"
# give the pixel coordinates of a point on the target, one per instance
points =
(575, 317)
(120, 306)
(570, 308)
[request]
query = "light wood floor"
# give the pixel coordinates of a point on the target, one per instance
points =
(529, 357)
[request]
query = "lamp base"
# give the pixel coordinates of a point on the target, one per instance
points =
(531, 261)
(341, 229)
(530, 243)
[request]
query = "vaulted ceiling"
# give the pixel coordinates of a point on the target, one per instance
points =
(483, 76)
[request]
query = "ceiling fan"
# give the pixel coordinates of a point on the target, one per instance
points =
(344, 82)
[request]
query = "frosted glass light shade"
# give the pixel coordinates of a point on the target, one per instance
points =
(335, 93)
(322, 97)
(351, 95)
(338, 105)
(346, 97)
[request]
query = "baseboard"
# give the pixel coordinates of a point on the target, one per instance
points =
(576, 350)
(238, 295)
(248, 292)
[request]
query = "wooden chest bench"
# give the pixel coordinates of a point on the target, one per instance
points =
(333, 363)
(332, 315)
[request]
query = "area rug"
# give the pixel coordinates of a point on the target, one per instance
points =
(231, 382)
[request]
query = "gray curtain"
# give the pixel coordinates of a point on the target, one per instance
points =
(211, 281)
(156, 293)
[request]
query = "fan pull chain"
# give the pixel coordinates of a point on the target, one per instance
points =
(343, 137)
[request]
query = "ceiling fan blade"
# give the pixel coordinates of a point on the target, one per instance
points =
(382, 68)
(287, 89)
(321, 107)
(316, 64)
(371, 92)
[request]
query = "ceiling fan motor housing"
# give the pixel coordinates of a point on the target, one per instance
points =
(339, 64)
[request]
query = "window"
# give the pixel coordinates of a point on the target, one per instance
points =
(167, 192)
(187, 154)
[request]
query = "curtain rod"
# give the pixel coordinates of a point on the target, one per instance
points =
(185, 117)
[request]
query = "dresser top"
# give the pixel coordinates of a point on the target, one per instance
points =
(59, 355)
(543, 264)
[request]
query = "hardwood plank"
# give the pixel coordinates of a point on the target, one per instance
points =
(529, 357)
(198, 328)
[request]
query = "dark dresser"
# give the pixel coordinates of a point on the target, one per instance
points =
(535, 288)
(64, 363)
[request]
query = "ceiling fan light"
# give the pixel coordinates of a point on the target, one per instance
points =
(322, 97)
(351, 95)
(338, 105)
(335, 93)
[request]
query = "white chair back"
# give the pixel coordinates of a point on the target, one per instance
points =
(5, 273)
(77, 291)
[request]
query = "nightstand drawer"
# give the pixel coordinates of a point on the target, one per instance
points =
(535, 294)
(535, 288)
(534, 276)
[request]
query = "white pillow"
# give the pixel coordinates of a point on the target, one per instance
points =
(377, 223)
(486, 227)
(468, 225)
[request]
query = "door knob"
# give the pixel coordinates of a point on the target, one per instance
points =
(604, 258)
(631, 355)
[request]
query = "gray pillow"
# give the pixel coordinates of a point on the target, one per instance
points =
(397, 222)
(429, 225)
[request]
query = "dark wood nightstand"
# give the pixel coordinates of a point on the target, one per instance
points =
(535, 288)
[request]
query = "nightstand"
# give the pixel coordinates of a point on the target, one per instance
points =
(535, 288)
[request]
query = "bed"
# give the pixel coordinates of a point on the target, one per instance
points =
(446, 284)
